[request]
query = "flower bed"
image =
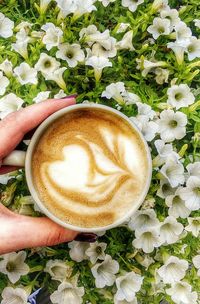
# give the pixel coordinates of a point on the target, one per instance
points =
(142, 58)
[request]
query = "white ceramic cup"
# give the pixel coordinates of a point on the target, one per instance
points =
(20, 158)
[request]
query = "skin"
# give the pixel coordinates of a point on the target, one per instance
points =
(18, 231)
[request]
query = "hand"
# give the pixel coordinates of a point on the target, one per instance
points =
(18, 231)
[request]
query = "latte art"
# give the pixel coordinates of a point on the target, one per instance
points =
(89, 167)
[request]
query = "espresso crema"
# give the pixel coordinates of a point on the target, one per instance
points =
(89, 167)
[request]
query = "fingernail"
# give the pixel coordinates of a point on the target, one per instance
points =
(86, 237)
(70, 96)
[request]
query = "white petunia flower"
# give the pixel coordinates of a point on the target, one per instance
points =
(162, 75)
(58, 270)
(99, 50)
(47, 64)
(145, 109)
(6, 26)
(98, 63)
(42, 96)
(165, 189)
(77, 251)
(193, 48)
(132, 5)
(21, 44)
(25, 74)
(194, 169)
(197, 22)
(148, 128)
(126, 42)
(13, 265)
(60, 94)
(179, 47)
(83, 7)
(66, 7)
(43, 5)
(53, 36)
(173, 270)
(147, 66)
(91, 35)
(196, 262)
(57, 76)
(145, 260)
(170, 230)
(127, 286)
(134, 301)
(173, 171)
(181, 293)
(191, 193)
(164, 151)
(172, 125)
(96, 252)
(160, 27)
(122, 27)
(147, 239)
(6, 66)
(14, 296)
(4, 82)
(176, 205)
(115, 91)
(180, 96)
(72, 53)
(67, 293)
(106, 2)
(183, 32)
(194, 225)
(159, 5)
(104, 273)
(131, 98)
(9, 103)
(143, 219)
(172, 15)
(24, 25)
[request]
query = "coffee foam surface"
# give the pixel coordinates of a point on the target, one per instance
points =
(89, 167)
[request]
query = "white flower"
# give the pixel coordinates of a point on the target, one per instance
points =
(25, 74)
(91, 35)
(6, 26)
(21, 44)
(191, 193)
(197, 22)
(194, 225)
(147, 239)
(131, 98)
(161, 75)
(4, 82)
(132, 5)
(159, 5)
(176, 205)
(180, 96)
(127, 286)
(13, 265)
(77, 251)
(160, 27)
(193, 48)
(144, 260)
(126, 42)
(122, 27)
(24, 25)
(58, 270)
(57, 76)
(47, 64)
(14, 296)
(6, 66)
(148, 128)
(98, 63)
(172, 15)
(165, 189)
(99, 50)
(104, 273)
(83, 7)
(115, 91)
(147, 66)
(106, 2)
(143, 219)
(53, 36)
(196, 262)
(96, 252)
(60, 94)
(43, 5)
(164, 151)
(41, 96)
(172, 125)
(145, 109)
(72, 53)
(125, 302)
(66, 7)
(179, 47)
(194, 169)
(67, 293)
(181, 293)
(173, 171)
(173, 270)
(183, 32)
(170, 230)
(9, 103)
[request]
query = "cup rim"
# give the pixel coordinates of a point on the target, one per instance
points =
(28, 169)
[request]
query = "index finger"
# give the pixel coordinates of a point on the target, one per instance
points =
(14, 126)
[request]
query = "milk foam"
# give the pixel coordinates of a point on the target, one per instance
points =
(89, 168)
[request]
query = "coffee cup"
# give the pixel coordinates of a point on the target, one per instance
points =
(111, 174)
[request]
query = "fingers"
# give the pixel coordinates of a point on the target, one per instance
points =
(7, 169)
(15, 125)
(19, 232)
